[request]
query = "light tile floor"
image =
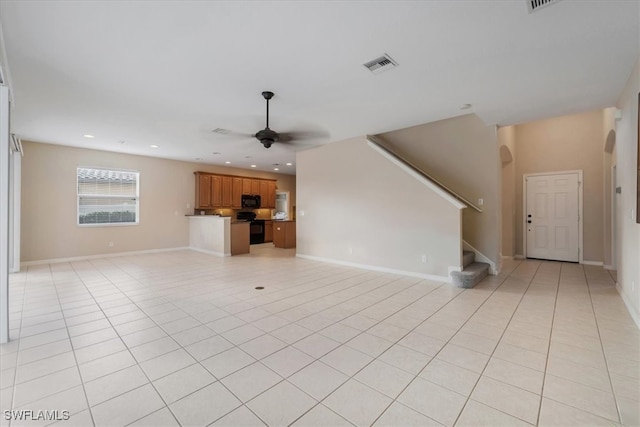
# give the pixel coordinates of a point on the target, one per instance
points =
(183, 338)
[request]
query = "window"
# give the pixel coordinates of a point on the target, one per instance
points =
(108, 196)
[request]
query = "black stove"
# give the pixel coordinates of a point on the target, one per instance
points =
(256, 226)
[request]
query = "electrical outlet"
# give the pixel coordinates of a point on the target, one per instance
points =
(188, 205)
(424, 259)
(110, 244)
(480, 202)
(350, 250)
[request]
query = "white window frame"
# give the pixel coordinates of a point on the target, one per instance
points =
(107, 196)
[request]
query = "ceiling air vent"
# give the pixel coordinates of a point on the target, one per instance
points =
(535, 5)
(380, 65)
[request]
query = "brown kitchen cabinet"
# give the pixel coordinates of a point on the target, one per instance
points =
(236, 199)
(216, 191)
(225, 191)
(284, 234)
(268, 231)
(203, 191)
(246, 185)
(255, 186)
(271, 203)
(264, 194)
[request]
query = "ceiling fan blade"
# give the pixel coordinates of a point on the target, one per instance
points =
(300, 137)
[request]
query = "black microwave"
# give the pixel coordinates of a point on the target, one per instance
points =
(249, 201)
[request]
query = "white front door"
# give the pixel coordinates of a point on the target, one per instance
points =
(552, 217)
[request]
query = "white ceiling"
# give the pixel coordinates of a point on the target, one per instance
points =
(169, 72)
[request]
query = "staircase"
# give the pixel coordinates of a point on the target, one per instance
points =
(472, 272)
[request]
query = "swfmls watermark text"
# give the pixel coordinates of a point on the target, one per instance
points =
(40, 415)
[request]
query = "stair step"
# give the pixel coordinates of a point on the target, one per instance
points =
(468, 258)
(471, 275)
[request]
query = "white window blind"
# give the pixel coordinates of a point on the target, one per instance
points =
(108, 196)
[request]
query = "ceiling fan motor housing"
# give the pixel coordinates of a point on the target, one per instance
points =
(267, 137)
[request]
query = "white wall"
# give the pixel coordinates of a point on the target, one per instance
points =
(572, 142)
(461, 153)
(506, 138)
(49, 202)
(360, 208)
(628, 231)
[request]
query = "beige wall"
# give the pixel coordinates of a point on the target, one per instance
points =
(608, 131)
(462, 153)
(561, 144)
(360, 208)
(628, 231)
(49, 205)
(507, 138)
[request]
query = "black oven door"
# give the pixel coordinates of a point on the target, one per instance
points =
(256, 232)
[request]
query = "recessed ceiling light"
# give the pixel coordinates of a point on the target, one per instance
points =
(121, 141)
(228, 162)
(276, 169)
(254, 166)
(198, 158)
(465, 106)
(289, 164)
(154, 146)
(216, 152)
(248, 157)
(86, 135)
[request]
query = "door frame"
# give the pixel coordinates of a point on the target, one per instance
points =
(613, 217)
(524, 208)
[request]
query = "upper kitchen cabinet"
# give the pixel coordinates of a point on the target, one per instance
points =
(225, 191)
(216, 191)
(272, 195)
(255, 186)
(246, 185)
(237, 189)
(268, 194)
(264, 194)
(203, 191)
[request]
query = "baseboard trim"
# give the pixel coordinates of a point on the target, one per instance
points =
(377, 268)
(204, 251)
(609, 267)
(596, 263)
(635, 316)
(518, 256)
(504, 257)
(112, 255)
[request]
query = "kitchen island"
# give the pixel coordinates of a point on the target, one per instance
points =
(218, 235)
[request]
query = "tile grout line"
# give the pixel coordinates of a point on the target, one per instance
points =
(84, 391)
(546, 362)
(604, 354)
(393, 400)
(128, 349)
(15, 375)
(154, 387)
(515, 309)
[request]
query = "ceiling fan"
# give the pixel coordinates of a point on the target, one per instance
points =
(268, 136)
